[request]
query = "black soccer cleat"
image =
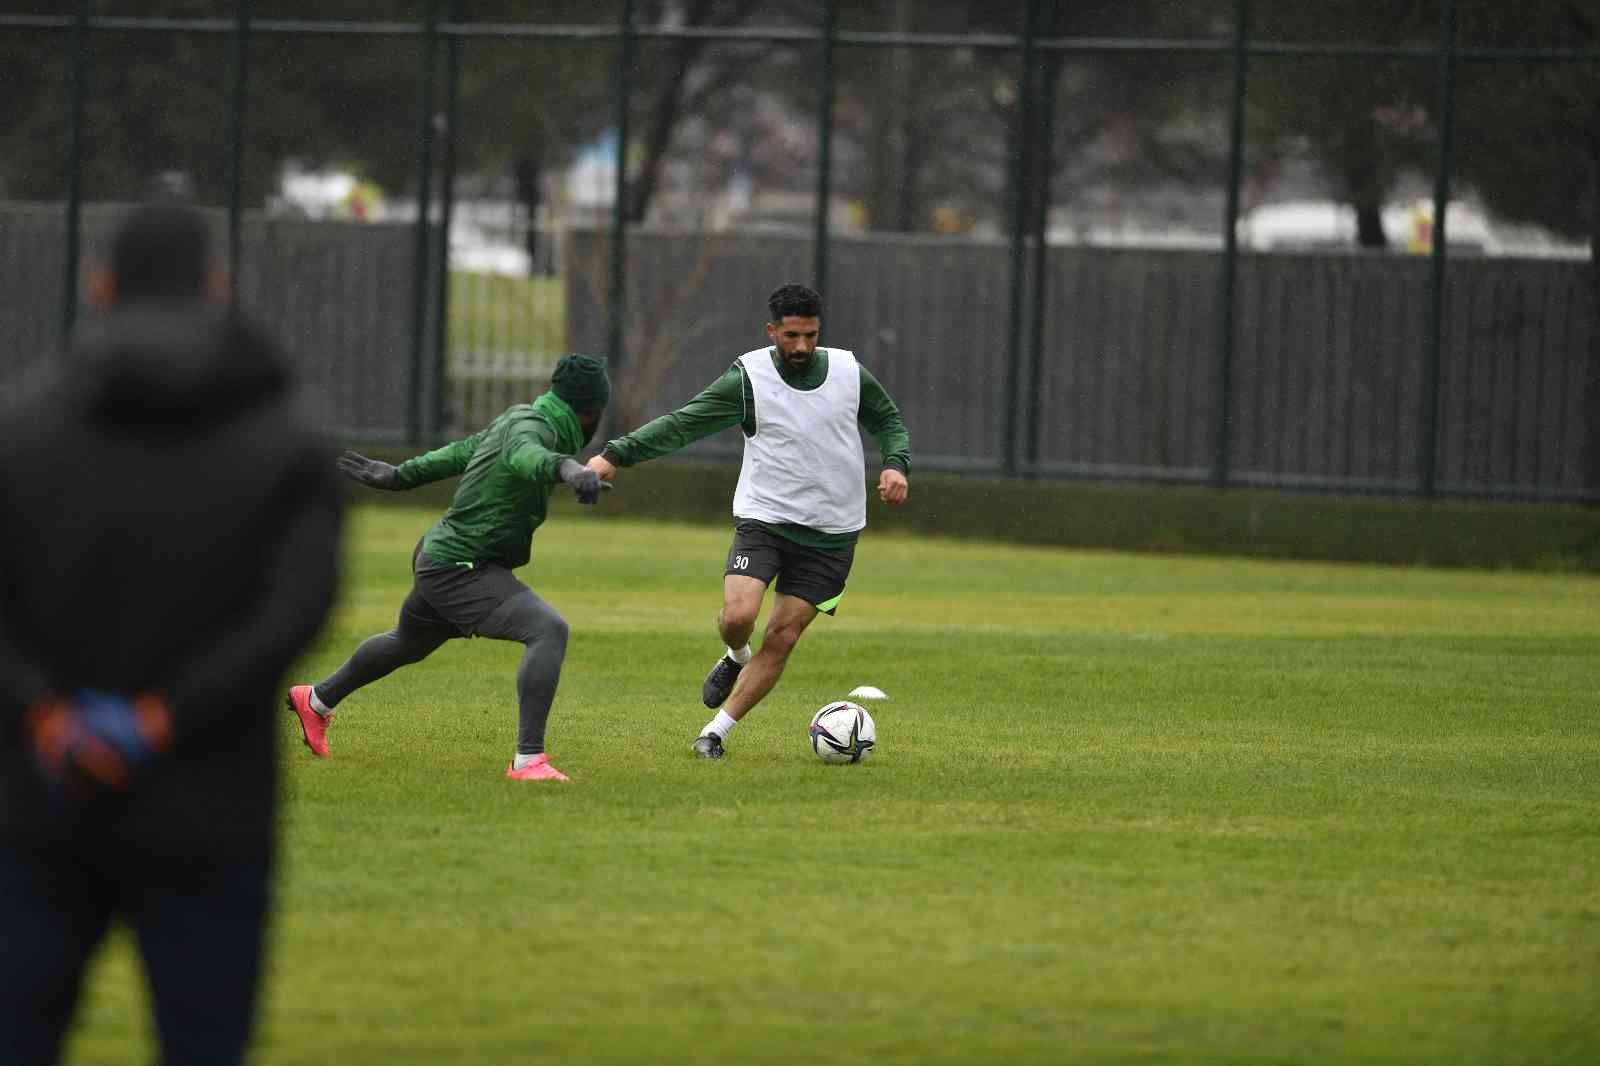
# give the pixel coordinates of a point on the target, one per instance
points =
(719, 682)
(708, 746)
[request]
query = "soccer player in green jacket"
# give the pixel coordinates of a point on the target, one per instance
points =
(462, 567)
(801, 499)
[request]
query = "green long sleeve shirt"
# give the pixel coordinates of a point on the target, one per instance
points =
(507, 470)
(730, 401)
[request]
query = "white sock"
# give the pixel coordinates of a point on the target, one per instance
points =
(318, 706)
(522, 760)
(741, 656)
(721, 725)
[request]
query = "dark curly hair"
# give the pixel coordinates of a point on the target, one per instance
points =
(798, 301)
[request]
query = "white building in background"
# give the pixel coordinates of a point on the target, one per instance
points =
(327, 194)
(589, 185)
(1320, 225)
(1323, 225)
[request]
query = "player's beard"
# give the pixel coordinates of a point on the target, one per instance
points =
(799, 360)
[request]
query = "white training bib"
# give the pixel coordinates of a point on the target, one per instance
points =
(804, 465)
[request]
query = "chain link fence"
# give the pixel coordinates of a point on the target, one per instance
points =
(1044, 342)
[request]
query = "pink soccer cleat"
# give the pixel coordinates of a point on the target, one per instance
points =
(538, 770)
(313, 726)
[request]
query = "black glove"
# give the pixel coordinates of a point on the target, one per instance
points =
(586, 484)
(373, 472)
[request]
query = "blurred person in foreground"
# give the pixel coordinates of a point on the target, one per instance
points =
(462, 580)
(168, 545)
(801, 500)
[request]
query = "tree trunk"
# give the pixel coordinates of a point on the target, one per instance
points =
(1365, 185)
(528, 174)
(887, 181)
(1369, 226)
(663, 119)
(1592, 482)
(909, 210)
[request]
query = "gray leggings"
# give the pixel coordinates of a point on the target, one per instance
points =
(522, 617)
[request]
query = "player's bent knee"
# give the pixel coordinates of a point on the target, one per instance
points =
(738, 623)
(545, 624)
(737, 620)
(525, 619)
(780, 639)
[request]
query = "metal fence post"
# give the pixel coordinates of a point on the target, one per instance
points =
(419, 320)
(447, 196)
(1428, 428)
(1431, 472)
(627, 43)
(1043, 161)
(819, 251)
(79, 86)
(1230, 247)
(1020, 173)
(238, 78)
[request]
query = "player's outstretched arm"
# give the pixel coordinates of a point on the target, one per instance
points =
(374, 473)
(449, 460)
(586, 484)
(718, 406)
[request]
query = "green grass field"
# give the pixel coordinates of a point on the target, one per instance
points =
(1124, 809)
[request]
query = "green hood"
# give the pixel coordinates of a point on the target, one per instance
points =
(560, 414)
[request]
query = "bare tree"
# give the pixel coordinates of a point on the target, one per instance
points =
(686, 73)
(1362, 121)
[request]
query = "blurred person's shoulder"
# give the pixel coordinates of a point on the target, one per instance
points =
(187, 364)
(33, 397)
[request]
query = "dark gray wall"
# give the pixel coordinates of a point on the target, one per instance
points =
(1328, 372)
(1328, 375)
(338, 295)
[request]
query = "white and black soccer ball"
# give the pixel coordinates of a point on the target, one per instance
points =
(843, 732)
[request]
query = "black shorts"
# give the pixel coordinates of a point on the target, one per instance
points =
(816, 575)
(456, 596)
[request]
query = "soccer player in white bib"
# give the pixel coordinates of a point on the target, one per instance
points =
(801, 500)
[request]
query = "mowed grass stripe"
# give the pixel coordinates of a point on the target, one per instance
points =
(1138, 809)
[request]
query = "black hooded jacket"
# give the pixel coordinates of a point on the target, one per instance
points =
(167, 523)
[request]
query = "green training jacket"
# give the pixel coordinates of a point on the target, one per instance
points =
(507, 470)
(730, 401)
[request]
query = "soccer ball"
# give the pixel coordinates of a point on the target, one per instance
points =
(843, 732)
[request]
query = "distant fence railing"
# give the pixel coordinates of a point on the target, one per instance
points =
(336, 294)
(1090, 363)
(480, 387)
(1327, 377)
